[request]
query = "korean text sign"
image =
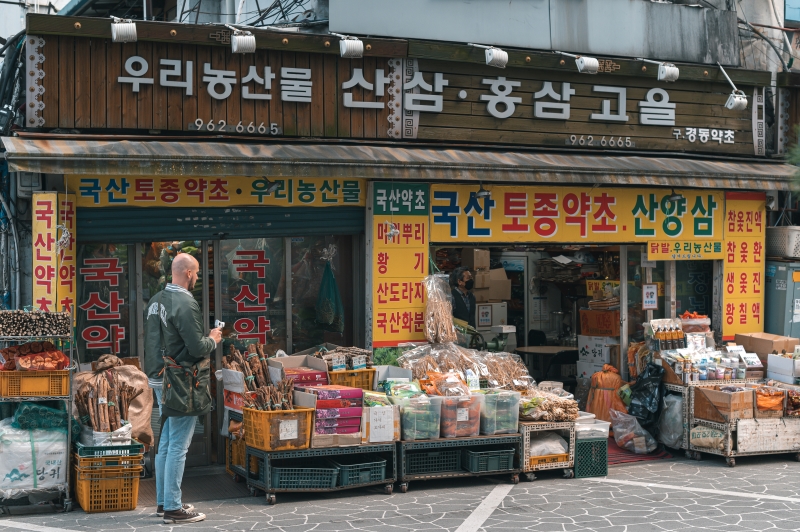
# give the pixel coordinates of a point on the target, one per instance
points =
(573, 214)
(45, 252)
(399, 262)
(743, 273)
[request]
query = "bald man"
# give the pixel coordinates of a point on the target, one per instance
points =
(174, 328)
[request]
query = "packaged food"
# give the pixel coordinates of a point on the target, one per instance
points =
(42, 361)
(439, 326)
(376, 399)
(499, 411)
(461, 416)
(447, 384)
(402, 390)
(792, 403)
(420, 417)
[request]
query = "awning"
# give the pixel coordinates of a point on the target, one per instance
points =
(425, 163)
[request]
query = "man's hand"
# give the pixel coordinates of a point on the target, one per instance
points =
(216, 335)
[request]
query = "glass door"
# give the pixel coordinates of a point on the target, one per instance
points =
(645, 286)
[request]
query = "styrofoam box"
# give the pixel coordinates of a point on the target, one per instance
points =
(598, 429)
(780, 377)
(784, 366)
(595, 349)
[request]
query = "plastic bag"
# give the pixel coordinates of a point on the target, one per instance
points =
(646, 395)
(630, 435)
(461, 416)
(537, 405)
(330, 310)
(769, 399)
(402, 390)
(439, 326)
(670, 424)
(419, 361)
(453, 357)
(37, 416)
(793, 403)
(582, 392)
(448, 384)
(545, 443)
(603, 393)
(32, 460)
(508, 372)
(698, 325)
(121, 436)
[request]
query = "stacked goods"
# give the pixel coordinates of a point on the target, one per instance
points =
(253, 365)
(538, 405)
(692, 322)
(107, 481)
(339, 409)
(271, 420)
(352, 358)
(508, 372)
(103, 403)
(35, 323)
(420, 415)
(438, 311)
(272, 397)
(499, 411)
(33, 356)
(769, 402)
(307, 376)
(460, 411)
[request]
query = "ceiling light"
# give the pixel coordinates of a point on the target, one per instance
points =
(737, 101)
(483, 193)
(585, 64)
(350, 47)
(674, 197)
(494, 56)
(123, 30)
(242, 41)
(666, 71)
(270, 186)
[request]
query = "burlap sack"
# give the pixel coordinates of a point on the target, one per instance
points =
(141, 407)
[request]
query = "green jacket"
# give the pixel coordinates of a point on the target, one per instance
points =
(182, 323)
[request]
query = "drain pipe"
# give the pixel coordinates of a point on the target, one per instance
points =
(14, 270)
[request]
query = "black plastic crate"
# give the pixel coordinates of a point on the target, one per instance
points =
(359, 469)
(421, 462)
(591, 457)
(485, 461)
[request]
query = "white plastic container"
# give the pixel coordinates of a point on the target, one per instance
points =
(585, 418)
(598, 429)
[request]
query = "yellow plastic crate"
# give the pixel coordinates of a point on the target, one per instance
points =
(34, 383)
(549, 459)
(237, 455)
(354, 378)
(113, 489)
(278, 430)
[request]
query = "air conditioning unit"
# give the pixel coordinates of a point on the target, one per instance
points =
(28, 183)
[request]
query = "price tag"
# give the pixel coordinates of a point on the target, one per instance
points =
(288, 429)
(102, 400)
(359, 362)
(339, 363)
(462, 414)
(381, 424)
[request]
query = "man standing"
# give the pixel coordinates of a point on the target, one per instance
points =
(175, 325)
(463, 298)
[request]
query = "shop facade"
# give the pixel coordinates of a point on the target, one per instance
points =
(267, 166)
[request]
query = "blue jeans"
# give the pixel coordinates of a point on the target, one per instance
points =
(176, 435)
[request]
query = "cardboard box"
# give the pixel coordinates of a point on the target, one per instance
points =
(780, 377)
(754, 374)
(596, 349)
(277, 365)
(498, 274)
(587, 369)
(481, 279)
(783, 366)
(500, 290)
(382, 373)
(481, 295)
(599, 322)
(711, 404)
(475, 259)
(367, 434)
(310, 351)
(318, 441)
(763, 344)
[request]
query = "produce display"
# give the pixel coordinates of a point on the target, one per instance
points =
(538, 405)
(35, 323)
(461, 416)
(438, 311)
(103, 402)
(792, 403)
(253, 365)
(500, 411)
(33, 356)
(272, 397)
(352, 356)
(769, 399)
(420, 417)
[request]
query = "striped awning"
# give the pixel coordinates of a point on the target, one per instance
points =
(397, 162)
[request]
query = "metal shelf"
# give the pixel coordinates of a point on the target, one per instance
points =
(529, 427)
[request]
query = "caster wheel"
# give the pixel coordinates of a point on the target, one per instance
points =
(569, 473)
(697, 456)
(797, 457)
(238, 479)
(271, 499)
(388, 489)
(689, 455)
(252, 491)
(731, 462)
(530, 477)
(404, 487)
(67, 506)
(515, 479)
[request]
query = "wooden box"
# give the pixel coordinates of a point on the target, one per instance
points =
(722, 407)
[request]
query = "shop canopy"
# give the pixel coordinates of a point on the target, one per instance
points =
(396, 162)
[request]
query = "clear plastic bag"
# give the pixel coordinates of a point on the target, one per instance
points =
(439, 326)
(507, 371)
(546, 443)
(670, 424)
(419, 360)
(630, 435)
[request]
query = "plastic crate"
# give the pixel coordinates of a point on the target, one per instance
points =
(354, 378)
(548, 459)
(484, 461)
(278, 430)
(304, 478)
(102, 462)
(783, 241)
(34, 383)
(354, 470)
(421, 462)
(114, 489)
(236, 456)
(591, 458)
(109, 450)
(461, 416)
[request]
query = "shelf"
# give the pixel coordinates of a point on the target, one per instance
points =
(34, 338)
(35, 398)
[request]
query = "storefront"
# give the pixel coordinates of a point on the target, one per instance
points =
(387, 186)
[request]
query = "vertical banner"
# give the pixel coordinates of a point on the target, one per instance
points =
(45, 261)
(399, 262)
(743, 274)
(65, 290)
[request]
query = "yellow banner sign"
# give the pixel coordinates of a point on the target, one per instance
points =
(66, 289)
(573, 214)
(105, 191)
(45, 257)
(685, 250)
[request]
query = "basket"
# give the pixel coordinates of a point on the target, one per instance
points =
(485, 461)
(355, 470)
(354, 378)
(109, 450)
(114, 489)
(548, 459)
(783, 241)
(433, 461)
(278, 430)
(304, 478)
(591, 458)
(235, 455)
(34, 383)
(102, 462)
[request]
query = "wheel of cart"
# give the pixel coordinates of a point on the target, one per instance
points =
(271, 499)
(569, 473)
(515, 478)
(403, 487)
(731, 461)
(388, 489)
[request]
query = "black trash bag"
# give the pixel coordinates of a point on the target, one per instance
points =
(646, 394)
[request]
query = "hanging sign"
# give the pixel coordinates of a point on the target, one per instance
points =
(685, 250)
(45, 254)
(650, 297)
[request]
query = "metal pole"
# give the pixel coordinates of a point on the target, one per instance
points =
(623, 311)
(287, 261)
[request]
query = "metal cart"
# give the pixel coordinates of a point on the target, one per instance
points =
(565, 428)
(262, 479)
(448, 462)
(67, 346)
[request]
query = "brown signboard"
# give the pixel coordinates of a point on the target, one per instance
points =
(91, 83)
